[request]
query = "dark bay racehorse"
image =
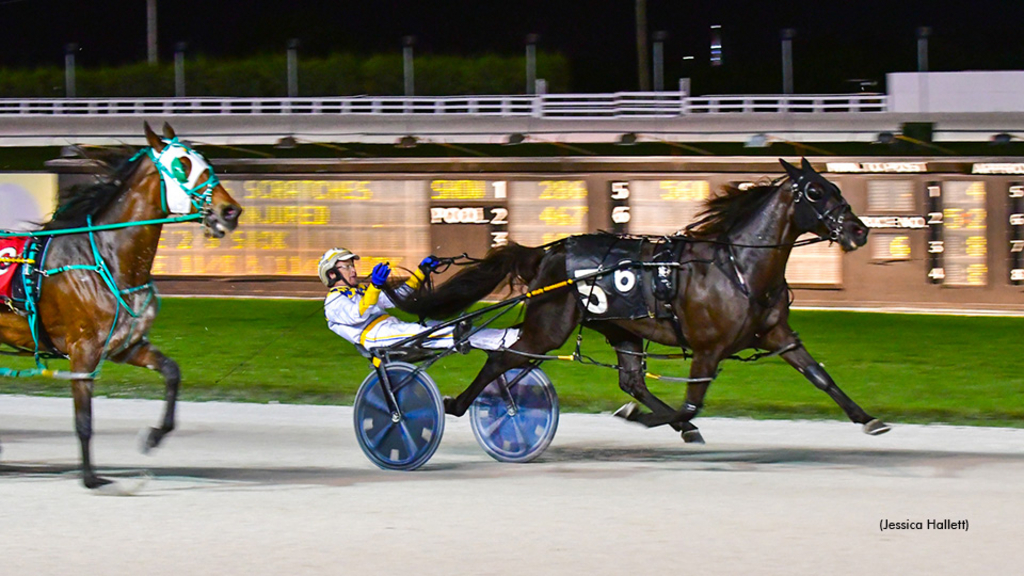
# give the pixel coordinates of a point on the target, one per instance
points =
(732, 296)
(90, 316)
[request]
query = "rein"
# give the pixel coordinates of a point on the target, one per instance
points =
(505, 306)
(89, 228)
(795, 244)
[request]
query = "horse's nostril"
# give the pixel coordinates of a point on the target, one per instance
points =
(230, 213)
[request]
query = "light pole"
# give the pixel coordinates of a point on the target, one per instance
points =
(179, 69)
(787, 60)
(407, 43)
(151, 31)
(531, 63)
(659, 60)
(69, 69)
(293, 67)
(641, 45)
(922, 48)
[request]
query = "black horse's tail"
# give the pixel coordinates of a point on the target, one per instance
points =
(512, 263)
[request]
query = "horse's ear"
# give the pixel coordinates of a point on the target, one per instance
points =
(790, 169)
(168, 131)
(807, 166)
(153, 140)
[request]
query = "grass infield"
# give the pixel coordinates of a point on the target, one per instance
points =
(900, 368)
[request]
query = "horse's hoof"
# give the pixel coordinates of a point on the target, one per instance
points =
(95, 482)
(449, 405)
(149, 438)
(692, 437)
(876, 427)
(126, 487)
(627, 412)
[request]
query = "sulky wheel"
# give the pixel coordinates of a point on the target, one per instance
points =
(514, 419)
(390, 441)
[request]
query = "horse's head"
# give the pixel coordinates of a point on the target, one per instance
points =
(819, 208)
(189, 185)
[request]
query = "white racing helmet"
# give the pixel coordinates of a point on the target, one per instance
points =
(330, 259)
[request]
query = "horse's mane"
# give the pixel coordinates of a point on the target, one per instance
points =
(733, 207)
(79, 201)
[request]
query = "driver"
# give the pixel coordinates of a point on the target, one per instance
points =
(358, 314)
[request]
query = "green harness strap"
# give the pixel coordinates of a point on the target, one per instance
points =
(200, 200)
(103, 270)
(100, 228)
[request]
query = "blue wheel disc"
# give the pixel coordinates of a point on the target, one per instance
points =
(522, 434)
(408, 443)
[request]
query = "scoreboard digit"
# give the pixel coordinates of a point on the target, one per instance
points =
(658, 206)
(543, 211)
(957, 245)
(936, 271)
(498, 225)
(620, 215)
(492, 212)
(1016, 210)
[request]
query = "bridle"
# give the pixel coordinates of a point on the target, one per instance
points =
(832, 218)
(181, 191)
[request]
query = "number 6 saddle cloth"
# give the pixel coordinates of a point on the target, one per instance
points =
(631, 291)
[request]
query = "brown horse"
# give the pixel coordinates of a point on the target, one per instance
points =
(731, 295)
(95, 297)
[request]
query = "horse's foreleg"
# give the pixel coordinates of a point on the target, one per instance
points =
(81, 391)
(85, 361)
(802, 360)
(145, 355)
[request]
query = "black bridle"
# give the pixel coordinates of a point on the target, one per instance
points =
(832, 218)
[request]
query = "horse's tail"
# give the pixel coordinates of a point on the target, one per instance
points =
(513, 263)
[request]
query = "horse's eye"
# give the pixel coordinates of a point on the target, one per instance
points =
(815, 193)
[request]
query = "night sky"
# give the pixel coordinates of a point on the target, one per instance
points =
(835, 42)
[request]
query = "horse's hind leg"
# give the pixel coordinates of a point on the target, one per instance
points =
(802, 360)
(145, 355)
(702, 372)
(547, 326)
(628, 349)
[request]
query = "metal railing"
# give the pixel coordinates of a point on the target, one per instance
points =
(584, 106)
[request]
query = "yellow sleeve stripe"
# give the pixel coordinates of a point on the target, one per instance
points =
(369, 299)
(416, 279)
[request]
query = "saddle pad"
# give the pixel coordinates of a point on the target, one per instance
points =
(615, 295)
(10, 248)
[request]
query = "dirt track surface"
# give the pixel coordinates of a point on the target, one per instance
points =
(275, 489)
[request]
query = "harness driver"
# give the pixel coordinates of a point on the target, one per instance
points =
(359, 313)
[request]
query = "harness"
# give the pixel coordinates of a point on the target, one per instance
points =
(179, 193)
(832, 218)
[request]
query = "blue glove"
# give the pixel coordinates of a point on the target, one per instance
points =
(380, 274)
(428, 264)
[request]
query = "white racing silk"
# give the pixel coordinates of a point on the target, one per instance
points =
(374, 327)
